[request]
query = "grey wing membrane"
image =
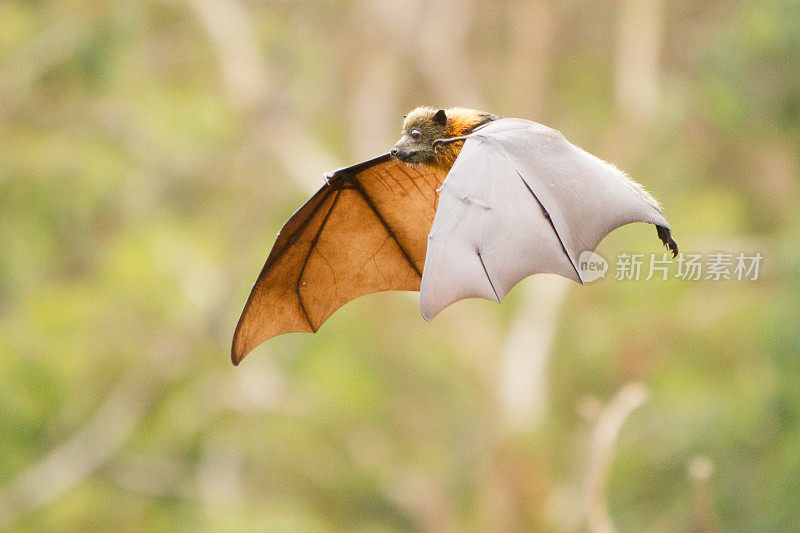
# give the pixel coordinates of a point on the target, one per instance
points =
(521, 200)
(366, 231)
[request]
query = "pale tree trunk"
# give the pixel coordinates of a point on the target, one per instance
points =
(523, 374)
(638, 58)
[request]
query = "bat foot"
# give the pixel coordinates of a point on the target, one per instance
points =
(665, 235)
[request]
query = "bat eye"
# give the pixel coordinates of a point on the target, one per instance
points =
(415, 134)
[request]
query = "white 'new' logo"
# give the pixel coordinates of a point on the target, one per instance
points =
(591, 266)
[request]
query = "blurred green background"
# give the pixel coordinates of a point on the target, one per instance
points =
(149, 153)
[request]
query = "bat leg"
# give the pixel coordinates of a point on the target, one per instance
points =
(666, 237)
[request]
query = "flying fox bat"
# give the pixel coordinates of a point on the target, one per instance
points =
(466, 204)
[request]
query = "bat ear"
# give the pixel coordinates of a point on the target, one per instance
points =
(440, 117)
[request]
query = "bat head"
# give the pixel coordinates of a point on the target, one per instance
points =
(421, 127)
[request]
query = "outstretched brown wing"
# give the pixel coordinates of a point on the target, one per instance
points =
(365, 231)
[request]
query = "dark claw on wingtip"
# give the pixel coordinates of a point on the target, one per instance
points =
(666, 237)
(672, 246)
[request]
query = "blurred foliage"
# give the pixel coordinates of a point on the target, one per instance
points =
(149, 152)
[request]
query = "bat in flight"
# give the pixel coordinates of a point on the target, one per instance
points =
(466, 204)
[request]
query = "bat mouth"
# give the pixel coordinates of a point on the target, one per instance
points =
(414, 157)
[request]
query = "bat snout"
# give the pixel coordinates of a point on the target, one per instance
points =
(400, 152)
(406, 156)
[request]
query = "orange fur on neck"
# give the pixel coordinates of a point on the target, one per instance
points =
(460, 121)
